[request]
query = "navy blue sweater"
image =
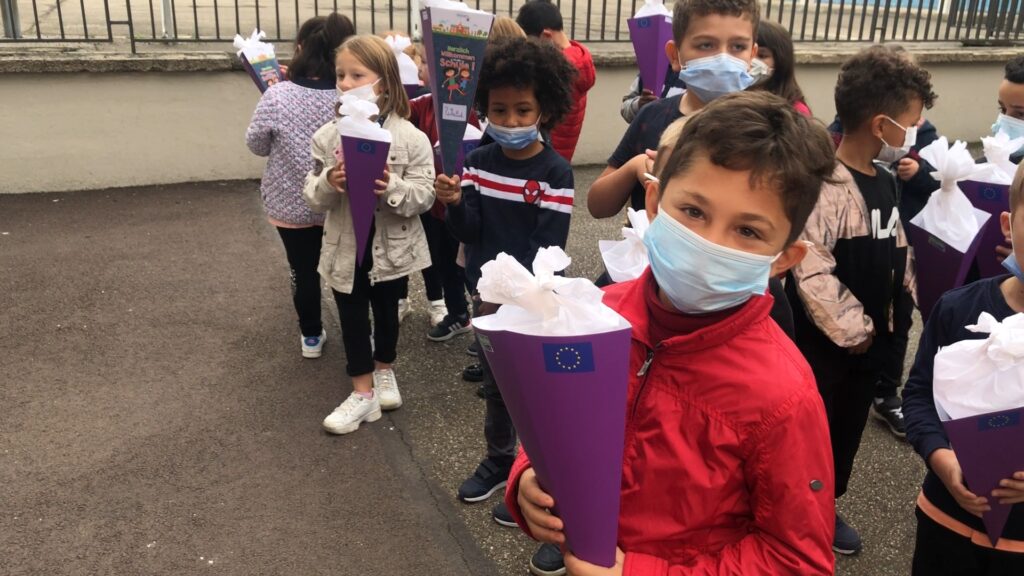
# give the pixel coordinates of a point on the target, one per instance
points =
(511, 206)
(946, 325)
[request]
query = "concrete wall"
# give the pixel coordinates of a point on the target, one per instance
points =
(74, 131)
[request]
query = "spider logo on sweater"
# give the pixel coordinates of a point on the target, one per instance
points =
(531, 191)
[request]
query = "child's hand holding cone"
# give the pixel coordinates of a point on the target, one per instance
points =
(448, 189)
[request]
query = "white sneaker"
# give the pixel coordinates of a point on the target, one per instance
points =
(313, 346)
(404, 309)
(351, 413)
(437, 312)
(385, 389)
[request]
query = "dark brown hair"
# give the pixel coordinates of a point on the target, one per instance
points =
(782, 82)
(879, 80)
(1017, 189)
(686, 10)
(760, 132)
(315, 44)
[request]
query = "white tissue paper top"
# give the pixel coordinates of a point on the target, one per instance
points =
(998, 150)
(355, 121)
(254, 47)
(450, 5)
(407, 69)
(949, 215)
(471, 133)
(653, 8)
(542, 303)
(974, 377)
(627, 259)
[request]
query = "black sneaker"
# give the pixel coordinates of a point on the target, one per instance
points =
(890, 412)
(473, 373)
(502, 516)
(481, 393)
(488, 479)
(473, 349)
(547, 561)
(846, 541)
(449, 328)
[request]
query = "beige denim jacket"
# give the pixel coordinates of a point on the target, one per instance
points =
(399, 245)
(840, 213)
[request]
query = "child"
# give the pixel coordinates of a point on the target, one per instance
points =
(543, 19)
(951, 538)
(638, 96)
(1011, 103)
(283, 124)
(515, 196)
(727, 469)
(856, 284)
(775, 49)
(366, 67)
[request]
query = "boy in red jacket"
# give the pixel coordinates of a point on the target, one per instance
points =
(542, 19)
(727, 467)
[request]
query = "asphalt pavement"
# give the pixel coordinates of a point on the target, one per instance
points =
(156, 416)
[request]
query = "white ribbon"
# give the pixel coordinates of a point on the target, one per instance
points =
(652, 8)
(998, 150)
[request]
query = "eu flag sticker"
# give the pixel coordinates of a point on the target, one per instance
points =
(999, 421)
(365, 147)
(574, 357)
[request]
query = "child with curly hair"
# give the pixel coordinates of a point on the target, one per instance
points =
(515, 196)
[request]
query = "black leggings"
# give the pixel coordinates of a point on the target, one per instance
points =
(444, 279)
(354, 313)
(302, 245)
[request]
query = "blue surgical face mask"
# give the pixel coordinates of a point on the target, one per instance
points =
(1009, 125)
(513, 138)
(1013, 267)
(716, 76)
(699, 276)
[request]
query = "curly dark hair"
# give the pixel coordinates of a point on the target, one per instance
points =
(529, 63)
(878, 80)
(1015, 70)
(761, 132)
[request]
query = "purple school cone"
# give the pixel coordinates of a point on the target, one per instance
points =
(455, 42)
(567, 399)
(940, 267)
(467, 147)
(649, 35)
(994, 199)
(989, 447)
(365, 161)
(411, 90)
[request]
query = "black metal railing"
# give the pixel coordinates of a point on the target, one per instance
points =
(184, 21)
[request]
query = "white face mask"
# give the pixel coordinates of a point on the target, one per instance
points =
(891, 154)
(365, 92)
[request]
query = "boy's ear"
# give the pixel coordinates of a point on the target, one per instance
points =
(652, 198)
(672, 51)
(876, 123)
(790, 257)
(1005, 221)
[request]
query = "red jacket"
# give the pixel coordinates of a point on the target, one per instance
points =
(565, 135)
(727, 466)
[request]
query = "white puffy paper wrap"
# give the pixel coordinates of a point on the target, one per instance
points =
(542, 303)
(627, 259)
(653, 8)
(407, 68)
(253, 47)
(355, 121)
(450, 5)
(974, 377)
(948, 214)
(471, 133)
(998, 150)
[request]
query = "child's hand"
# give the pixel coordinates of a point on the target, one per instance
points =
(907, 169)
(1011, 490)
(336, 177)
(576, 567)
(380, 187)
(643, 164)
(535, 503)
(646, 97)
(448, 189)
(943, 461)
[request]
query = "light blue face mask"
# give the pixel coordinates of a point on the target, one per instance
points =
(1013, 267)
(716, 76)
(1008, 125)
(699, 276)
(513, 138)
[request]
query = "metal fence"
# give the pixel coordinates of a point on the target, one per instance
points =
(177, 21)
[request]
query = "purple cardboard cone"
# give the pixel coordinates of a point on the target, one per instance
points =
(411, 90)
(649, 35)
(365, 161)
(989, 447)
(455, 41)
(264, 73)
(567, 398)
(994, 199)
(940, 267)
